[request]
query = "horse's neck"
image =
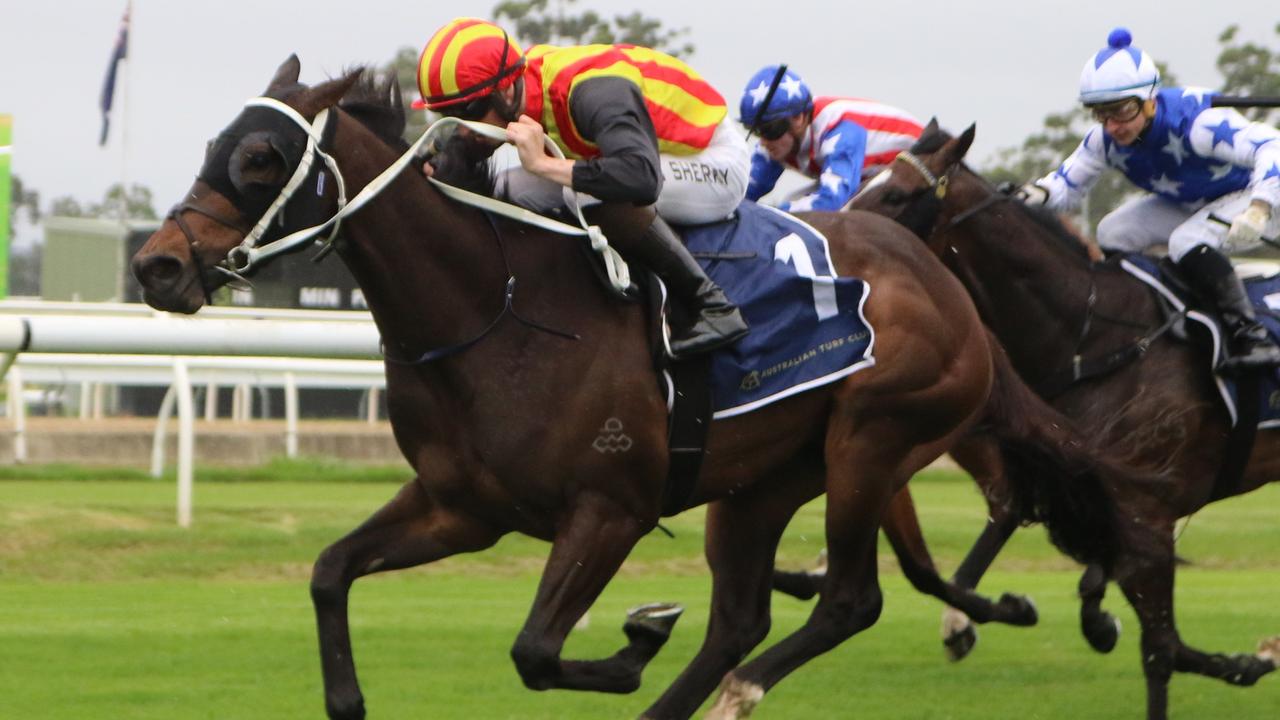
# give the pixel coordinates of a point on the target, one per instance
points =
(1034, 293)
(430, 271)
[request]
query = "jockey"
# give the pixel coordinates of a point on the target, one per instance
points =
(1213, 180)
(641, 132)
(837, 141)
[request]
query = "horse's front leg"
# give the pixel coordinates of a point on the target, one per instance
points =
(596, 536)
(410, 530)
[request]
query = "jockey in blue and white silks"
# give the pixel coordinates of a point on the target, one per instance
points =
(1213, 179)
(837, 141)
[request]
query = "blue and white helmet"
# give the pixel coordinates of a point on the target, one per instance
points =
(1118, 71)
(791, 98)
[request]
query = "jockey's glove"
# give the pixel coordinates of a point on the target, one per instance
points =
(1247, 228)
(1032, 194)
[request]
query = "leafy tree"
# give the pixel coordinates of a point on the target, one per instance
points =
(1249, 69)
(133, 204)
(22, 198)
(534, 22)
(116, 203)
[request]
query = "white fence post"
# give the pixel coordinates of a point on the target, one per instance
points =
(162, 427)
(186, 441)
(290, 415)
(18, 412)
(211, 402)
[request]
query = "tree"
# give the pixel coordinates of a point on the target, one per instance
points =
(1249, 69)
(534, 22)
(116, 203)
(22, 198)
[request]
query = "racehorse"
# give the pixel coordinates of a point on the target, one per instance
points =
(1052, 308)
(505, 358)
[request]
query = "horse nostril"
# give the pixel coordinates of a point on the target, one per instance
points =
(157, 270)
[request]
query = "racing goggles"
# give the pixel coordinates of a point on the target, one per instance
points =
(774, 129)
(1120, 111)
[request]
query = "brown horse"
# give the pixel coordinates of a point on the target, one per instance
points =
(1036, 288)
(474, 419)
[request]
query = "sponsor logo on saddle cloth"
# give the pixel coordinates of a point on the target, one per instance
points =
(1264, 292)
(807, 325)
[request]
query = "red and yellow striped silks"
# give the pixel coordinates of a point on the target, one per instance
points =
(685, 109)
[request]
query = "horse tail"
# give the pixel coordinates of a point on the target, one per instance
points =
(1057, 476)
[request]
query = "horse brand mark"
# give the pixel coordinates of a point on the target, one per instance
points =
(750, 381)
(611, 438)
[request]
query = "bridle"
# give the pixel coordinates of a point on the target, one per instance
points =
(249, 253)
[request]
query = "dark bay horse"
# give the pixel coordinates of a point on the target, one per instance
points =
(500, 429)
(1035, 287)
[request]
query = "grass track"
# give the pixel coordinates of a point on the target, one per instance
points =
(108, 611)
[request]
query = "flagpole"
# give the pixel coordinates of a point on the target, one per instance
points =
(124, 123)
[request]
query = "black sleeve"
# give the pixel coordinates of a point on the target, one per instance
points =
(610, 112)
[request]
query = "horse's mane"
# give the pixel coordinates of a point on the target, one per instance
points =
(1052, 224)
(375, 103)
(371, 102)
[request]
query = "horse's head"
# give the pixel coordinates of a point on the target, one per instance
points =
(264, 177)
(914, 186)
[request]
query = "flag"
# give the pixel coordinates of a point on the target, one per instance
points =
(120, 52)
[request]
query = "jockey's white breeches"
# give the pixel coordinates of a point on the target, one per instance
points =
(1151, 220)
(696, 189)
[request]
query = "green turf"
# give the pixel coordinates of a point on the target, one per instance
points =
(109, 611)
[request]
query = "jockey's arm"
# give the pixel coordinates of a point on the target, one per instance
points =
(611, 112)
(1070, 182)
(1224, 134)
(842, 150)
(765, 172)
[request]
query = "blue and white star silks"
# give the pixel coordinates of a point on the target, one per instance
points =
(847, 140)
(1192, 153)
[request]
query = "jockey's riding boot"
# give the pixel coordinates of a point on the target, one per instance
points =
(1250, 345)
(716, 320)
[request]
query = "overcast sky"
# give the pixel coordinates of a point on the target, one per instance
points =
(1004, 64)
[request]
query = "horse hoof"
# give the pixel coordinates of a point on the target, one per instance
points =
(1101, 630)
(736, 701)
(347, 709)
(1252, 668)
(1269, 650)
(958, 645)
(653, 621)
(1018, 610)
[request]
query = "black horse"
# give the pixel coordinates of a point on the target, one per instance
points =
(1036, 288)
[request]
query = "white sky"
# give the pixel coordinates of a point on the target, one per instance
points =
(1002, 63)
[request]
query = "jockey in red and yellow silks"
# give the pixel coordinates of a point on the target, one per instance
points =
(684, 108)
(638, 128)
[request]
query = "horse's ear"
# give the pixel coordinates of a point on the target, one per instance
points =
(965, 140)
(327, 94)
(931, 128)
(286, 74)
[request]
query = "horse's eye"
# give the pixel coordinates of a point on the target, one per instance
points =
(259, 160)
(894, 196)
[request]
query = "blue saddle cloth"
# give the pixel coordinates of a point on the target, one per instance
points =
(1264, 292)
(807, 327)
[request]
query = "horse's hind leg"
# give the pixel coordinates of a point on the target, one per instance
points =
(588, 549)
(1147, 582)
(741, 542)
(410, 530)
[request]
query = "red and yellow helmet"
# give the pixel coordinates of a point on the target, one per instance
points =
(465, 60)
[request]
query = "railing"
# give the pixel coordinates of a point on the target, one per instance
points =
(121, 344)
